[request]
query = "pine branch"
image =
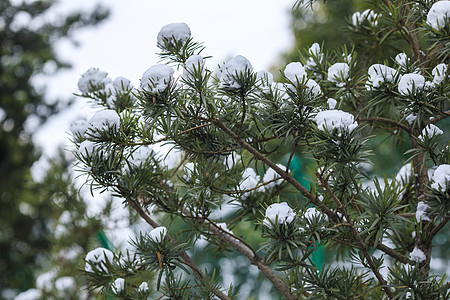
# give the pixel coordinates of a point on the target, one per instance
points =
(386, 121)
(187, 259)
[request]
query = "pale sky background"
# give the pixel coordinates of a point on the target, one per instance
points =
(125, 44)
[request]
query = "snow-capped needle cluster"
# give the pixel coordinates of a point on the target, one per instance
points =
(226, 127)
(278, 213)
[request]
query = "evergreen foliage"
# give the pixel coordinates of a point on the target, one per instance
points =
(230, 126)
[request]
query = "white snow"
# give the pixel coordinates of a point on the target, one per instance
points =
(312, 87)
(188, 169)
(97, 257)
(331, 119)
(158, 234)
(368, 14)
(104, 119)
(45, 280)
(410, 83)
(338, 73)
(401, 59)
(118, 285)
(265, 80)
(417, 255)
(193, 65)
(379, 74)
(31, 294)
(250, 179)
(314, 50)
(140, 156)
(224, 227)
(143, 287)
(65, 283)
(87, 148)
(270, 175)
(439, 73)
(231, 160)
(430, 131)
(295, 72)
(421, 212)
(91, 80)
(439, 14)
(122, 84)
(279, 212)
(172, 33)
(410, 118)
(235, 67)
(311, 213)
(441, 177)
(331, 103)
(404, 173)
(79, 127)
(157, 78)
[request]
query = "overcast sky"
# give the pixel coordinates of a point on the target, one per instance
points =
(125, 44)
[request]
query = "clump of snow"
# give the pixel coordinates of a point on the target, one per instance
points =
(233, 68)
(328, 120)
(64, 283)
(439, 73)
(156, 79)
(295, 72)
(250, 179)
(31, 294)
(231, 160)
(158, 234)
(97, 258)
(87, 148)
(45, 280)
(331, 103)
(430, 131)
(78, 128)
(224, 227)
(312, 213)
(314, 50)
(271, 175)
(173, 34)
(312, 87)
(122, 84)
(338, 73)
(279, 212)
(188, 169)
(411, 118)
(368, 14)
(402, 59)
(421, 212)
(193, 65)
(379, 74)
(118, 285)
(441, 177)
(103, 120)
(91, 80)
(143, 287)
(265, 80)
(410, 83)
(404, 173)
(439, 15)
(417, 255)
(140, 156)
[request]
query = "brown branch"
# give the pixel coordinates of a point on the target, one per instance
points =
(445, 114)
(286, 176)
(186, 258)
(362, 245)
(437, 228)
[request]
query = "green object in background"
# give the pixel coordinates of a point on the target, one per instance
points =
(298, 166)
(103, 240)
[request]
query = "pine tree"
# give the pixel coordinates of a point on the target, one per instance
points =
(228, 128)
